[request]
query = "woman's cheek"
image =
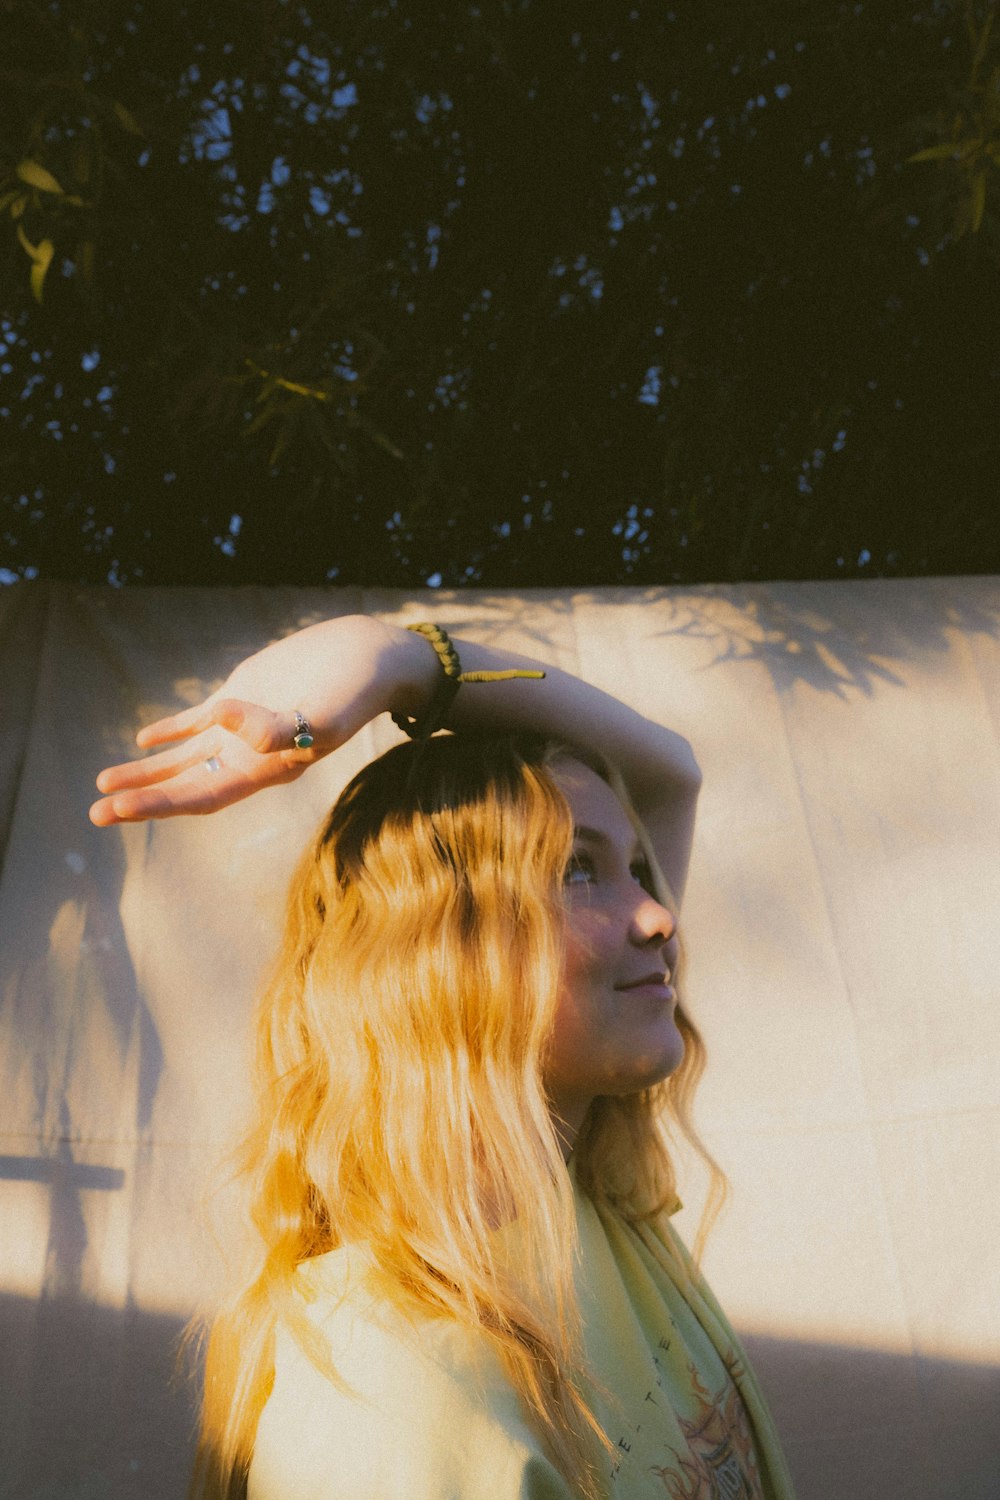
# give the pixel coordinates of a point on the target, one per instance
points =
(598, 940)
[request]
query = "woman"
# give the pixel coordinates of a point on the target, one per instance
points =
(466, 1282)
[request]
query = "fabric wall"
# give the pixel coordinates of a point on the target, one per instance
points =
(842, 920)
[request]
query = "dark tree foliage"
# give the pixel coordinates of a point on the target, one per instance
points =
(512, 293)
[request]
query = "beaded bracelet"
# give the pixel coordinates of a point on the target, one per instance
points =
(433, 716)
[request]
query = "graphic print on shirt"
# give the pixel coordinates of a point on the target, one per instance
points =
(623, 1444)
(720, 1462)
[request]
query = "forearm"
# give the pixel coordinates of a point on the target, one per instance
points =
(651, 757)
(340, 674)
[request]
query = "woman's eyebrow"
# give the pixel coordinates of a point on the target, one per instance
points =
(595, 836)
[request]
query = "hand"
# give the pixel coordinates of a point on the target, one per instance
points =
(338, 674)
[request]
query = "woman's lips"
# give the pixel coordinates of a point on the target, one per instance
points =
(650, 987)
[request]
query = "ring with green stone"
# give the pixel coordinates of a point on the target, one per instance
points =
(303, 737)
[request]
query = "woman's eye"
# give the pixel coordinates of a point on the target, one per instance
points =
(579, 871)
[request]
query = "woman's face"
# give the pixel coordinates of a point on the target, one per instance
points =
(614, 1030)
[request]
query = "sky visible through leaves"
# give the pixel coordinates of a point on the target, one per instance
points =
(498, 295)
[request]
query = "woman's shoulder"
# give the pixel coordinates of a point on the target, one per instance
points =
(341, 1277)
(362, 1325)
(418, 1406)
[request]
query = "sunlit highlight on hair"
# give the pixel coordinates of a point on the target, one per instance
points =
(399, 1097)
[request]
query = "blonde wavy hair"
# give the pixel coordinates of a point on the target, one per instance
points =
(399, 1092)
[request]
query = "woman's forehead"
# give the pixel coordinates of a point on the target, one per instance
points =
(592, 802)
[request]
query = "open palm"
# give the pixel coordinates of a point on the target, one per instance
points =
(337, 674)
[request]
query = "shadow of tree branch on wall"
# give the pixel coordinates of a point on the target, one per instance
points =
(831, 635)
(89, 1411)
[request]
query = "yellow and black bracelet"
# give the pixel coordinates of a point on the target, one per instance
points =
(432, 718)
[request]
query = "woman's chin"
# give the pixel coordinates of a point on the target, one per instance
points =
(651, 1065)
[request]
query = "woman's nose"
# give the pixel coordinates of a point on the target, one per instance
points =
(651, 921)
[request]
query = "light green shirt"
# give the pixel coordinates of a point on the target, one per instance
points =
(434, 1417)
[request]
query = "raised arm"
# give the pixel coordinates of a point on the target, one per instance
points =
(342, 673)
(657, 765)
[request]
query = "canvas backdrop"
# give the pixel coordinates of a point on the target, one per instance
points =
(842, 921)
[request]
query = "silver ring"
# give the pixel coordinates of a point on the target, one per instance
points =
(303, 736)
(213, 763)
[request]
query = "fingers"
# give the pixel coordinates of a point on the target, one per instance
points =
(155, 768)
(102, 814)
(176, 726)
(196, 790)
(171, 798)
(260, 728)
(233, 748)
